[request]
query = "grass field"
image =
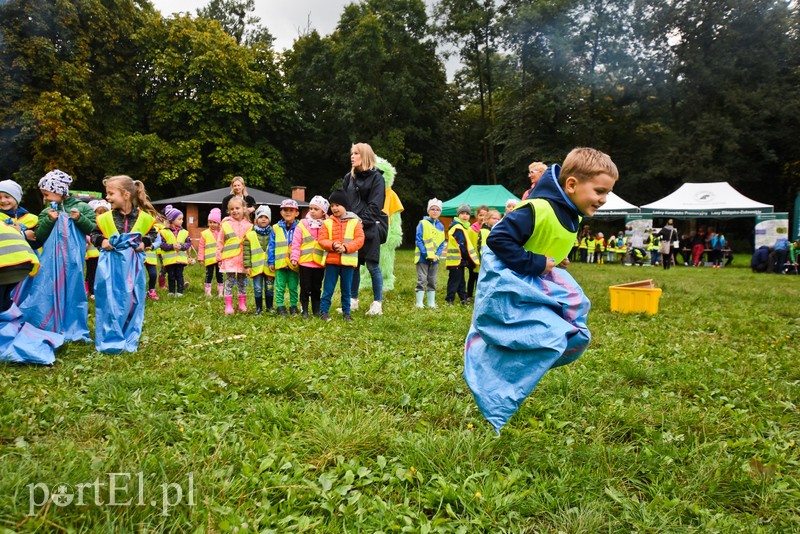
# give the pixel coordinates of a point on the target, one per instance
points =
(682, 421)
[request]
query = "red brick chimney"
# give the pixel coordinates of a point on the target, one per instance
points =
(299, 193)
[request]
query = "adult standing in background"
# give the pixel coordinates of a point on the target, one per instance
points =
(239, 190)
(535, 171)
(366, 193)
(668, 234)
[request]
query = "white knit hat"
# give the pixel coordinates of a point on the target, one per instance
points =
(434, 202)
(263, 210)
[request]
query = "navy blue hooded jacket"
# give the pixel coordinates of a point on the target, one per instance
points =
(512, 232)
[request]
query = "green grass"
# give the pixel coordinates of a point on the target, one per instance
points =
(678, 422)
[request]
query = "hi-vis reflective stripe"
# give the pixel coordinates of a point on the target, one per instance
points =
(231, 244)
(349, 259)
(282, 248)
(431, 238)
(310, 250)
(91, 251)
(170, 257)
(454, 252)
(14, 250)
(144, 222)
(258, 257)
(150, 257)
(210, 251)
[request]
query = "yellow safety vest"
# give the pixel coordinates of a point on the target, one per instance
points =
(91, 251)
(549, 237)
(15, 250)
(144, 222)
(210, 243)
(282, 249)
(231, 244)
(29, 220)
(484, 235)
(310, 250)
(454, 253)
(348, 259)
(258, 256)
(171, 257)
(432, 238)
(151, 256)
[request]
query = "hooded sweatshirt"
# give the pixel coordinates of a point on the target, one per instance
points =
(512, 232)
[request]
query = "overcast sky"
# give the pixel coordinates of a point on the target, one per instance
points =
(285, 19)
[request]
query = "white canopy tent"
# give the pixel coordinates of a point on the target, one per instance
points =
(615, 207)
(713, 199)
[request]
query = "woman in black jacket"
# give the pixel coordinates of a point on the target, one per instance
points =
(366, 191)
(239, 189)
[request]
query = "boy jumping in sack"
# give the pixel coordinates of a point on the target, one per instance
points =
(530, 316)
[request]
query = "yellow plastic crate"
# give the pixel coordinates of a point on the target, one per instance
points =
(635, 297)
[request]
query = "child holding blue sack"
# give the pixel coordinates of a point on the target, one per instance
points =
(55, 299)
(530, 316)
(122, 235)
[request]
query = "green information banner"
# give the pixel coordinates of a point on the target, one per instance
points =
(796, 216)
(771, 226)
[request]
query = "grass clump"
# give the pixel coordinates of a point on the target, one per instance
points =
(682, 421)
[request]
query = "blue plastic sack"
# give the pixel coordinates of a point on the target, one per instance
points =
(119, 292)
(24, 343)
(55, 299)
(522, 327)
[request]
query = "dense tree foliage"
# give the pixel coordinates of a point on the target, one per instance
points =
(675, 91)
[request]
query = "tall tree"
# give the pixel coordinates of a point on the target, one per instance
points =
(238, 20)
(469, 25)
(377, 79)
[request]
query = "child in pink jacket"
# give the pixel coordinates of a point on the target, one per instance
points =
(309, 255)
(231, 254)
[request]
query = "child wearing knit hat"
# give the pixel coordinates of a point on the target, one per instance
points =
(13, 214)
(309, 255)
(174, 246)
(341, 237)
(207, 251)
(256, 244)
(430, 239)
(55, 192)
(461, 254)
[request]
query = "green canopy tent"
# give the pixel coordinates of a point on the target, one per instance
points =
(494, 196)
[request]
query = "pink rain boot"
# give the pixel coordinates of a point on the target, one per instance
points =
(220, 288)
(208, 290)
(228, 304)
(242, 303)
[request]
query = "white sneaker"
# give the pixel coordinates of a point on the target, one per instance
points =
(376, 308)
(353, 306)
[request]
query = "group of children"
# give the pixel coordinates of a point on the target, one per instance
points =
(529, 315)
(306, 258)
(464, 243)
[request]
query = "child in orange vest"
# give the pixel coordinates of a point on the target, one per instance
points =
(342, 236)
(175, 243)
(309, 255)
(207, 251)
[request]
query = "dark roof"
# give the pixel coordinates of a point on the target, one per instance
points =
(215, 196)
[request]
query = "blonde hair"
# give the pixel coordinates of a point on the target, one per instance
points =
(240, 200)
(585, 163)
(244, 186)
(367, 157)
(135, 188)
(537, 166)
